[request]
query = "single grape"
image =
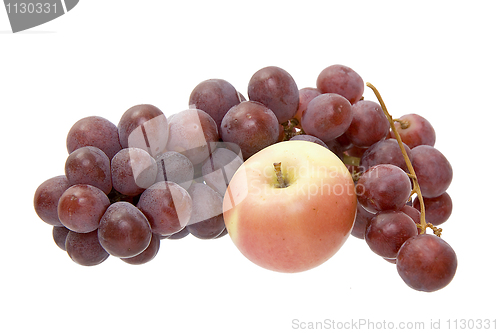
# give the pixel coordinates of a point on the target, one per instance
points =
(305, 96)
(363, 217)
(327, 117)
(81, 207)
(250, 125)
(94, 131)
(215, 97)
(192, 133)
(310, 138)
(415, 130)
(438, 209)
(47, 197)
(412, 212)
(148, 254)
(144, 126)
(369, 124)
(91, 166)
(178, 235)
(174, 167)
(387, 231)
(276, 89)
(132, 171)
(219, 168)
(167, 207)
(433, 170)
(222, 234)
(85, 249)
(383, 187)
(385, 152)
(124, 231)
(342, 80)
(206, 220)
(59, 235)
(426, 263)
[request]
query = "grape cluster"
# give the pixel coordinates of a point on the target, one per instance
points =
(149, 178)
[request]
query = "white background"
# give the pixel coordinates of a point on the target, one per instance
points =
(437, 59)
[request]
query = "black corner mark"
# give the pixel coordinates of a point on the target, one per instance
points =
(26, 14)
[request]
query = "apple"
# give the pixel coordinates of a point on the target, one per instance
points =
(290, 207)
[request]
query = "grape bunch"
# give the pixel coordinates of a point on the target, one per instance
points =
(127, 187)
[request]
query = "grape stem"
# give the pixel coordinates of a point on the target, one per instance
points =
(413, 176)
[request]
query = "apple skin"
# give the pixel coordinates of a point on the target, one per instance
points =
(296, 228)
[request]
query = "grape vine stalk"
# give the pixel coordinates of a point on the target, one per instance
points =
(423, 225)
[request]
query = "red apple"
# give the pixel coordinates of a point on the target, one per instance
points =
(296, 227)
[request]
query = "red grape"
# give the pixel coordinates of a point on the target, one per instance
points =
(342, 80)
(310, 138)
(437, 209)
(144, 126)
(426, 263)
(47, 197)
(148, 254)
(385, 152)
(220, 167)
(383, 187)
(59, 235)
(215, 97)
(132, 171)
(192, 133)
(94, 131)
(206, 219)
(415, 130)
(85, 249)
(433, 170)
(167, 207)
(276, 89)
(363, 217)
(81, 207)
(250, 125)
(327, 116)
(124, 231)
(89, 165)
(369, 124)
(387, 231)
(305, 96)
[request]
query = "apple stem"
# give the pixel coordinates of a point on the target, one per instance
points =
(279, 175)
(416, 187)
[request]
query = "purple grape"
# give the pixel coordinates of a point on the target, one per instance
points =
(81, 207)
(369, 124)
(219, 168)
(124, 231)
(363, 217)
(412, 212)
(167, 207)
(94, 131)
(250, 125)
(310, 138)
(305, 96)
(434, 172)
(192, 133)
(148, 254)
(387, 231)
(215, 97)
(437, 210)
(342, 80)
(132, 171)
(426, 263)
(206, 219)
(91, 166)
(85, 249)
(327, 117)
(415, 130)
(385, 152)
(383, 187)
(175, 167)
(47, 197)
(276, 89)
(59, 235)
(178, 235)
